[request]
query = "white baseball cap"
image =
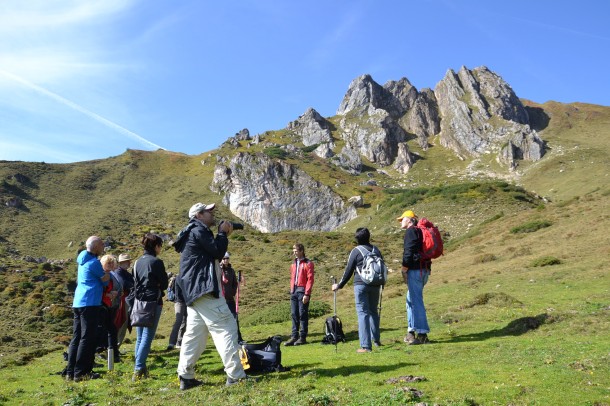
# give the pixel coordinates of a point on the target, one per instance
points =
(199, 207)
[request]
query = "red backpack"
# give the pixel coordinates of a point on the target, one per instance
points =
(432, 242)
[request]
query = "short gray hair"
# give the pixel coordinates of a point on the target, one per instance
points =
(91, 242)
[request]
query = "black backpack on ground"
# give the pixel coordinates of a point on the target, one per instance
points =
(333, 331)
(263, 357)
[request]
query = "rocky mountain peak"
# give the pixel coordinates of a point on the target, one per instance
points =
(480, 113)
(312, 128)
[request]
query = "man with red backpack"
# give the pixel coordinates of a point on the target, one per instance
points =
(422, 242)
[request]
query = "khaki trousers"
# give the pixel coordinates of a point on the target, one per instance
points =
(210, 315)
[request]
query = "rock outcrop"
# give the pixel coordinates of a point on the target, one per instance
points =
(273, 196)
(313, 129)
(474, 111)
(481, 114)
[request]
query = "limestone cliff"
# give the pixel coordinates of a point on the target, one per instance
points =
(272, 195)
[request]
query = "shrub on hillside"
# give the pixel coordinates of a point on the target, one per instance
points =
(531, 226)
(483, 258)
(545, 261)
(275, 153)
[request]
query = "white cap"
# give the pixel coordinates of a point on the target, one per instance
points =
(227, 255)
(199, 207)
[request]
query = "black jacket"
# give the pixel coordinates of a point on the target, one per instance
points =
(150, 278)
(412, 248)
(199, 256)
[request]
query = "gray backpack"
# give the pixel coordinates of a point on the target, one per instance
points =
(373, 271)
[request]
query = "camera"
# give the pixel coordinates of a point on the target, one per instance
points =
(236, 226)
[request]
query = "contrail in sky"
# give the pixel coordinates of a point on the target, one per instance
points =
(81, 109)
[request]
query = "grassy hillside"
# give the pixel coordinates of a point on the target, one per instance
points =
(519, 305)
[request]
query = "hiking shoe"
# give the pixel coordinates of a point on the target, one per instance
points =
(290, 342)
(300, 341)
(363, 350)
(423, 338)
(170, 347)
(377, 343)
(410, 338)
(186, 384)
(248, 378)
(139, 374)
(86, 377)
(69, 377)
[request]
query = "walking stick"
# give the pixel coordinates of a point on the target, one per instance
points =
(380, 297)
(237, 296)
(335, 310)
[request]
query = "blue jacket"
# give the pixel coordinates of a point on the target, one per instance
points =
(200, 252)
(89, 285)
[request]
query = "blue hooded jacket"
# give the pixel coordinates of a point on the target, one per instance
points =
(89, 285)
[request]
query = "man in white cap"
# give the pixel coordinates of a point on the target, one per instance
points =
(207, 310)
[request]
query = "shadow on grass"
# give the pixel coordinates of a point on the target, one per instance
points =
(516, 327)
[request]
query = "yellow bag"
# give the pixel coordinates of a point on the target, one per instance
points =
(243, 357)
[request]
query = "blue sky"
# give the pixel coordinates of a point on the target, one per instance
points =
(83, 80)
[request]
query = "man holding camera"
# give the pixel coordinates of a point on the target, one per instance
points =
(207, 310)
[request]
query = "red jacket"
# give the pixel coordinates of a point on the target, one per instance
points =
(305, 275)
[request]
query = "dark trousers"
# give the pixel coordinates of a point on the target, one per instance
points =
(233, 307)
(81, 352)
(106, 330)
(300, 315)
(175, 337)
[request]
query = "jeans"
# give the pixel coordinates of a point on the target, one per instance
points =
(81, 352)
(144, 340)
(175, 337)
(416, 312)
(210, 315)
(300, 315)
(367, 300)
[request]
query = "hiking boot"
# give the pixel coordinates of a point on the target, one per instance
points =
(69, 377)
(300, 341)
(363, 350)
(423, 339)
(377, 343)
(290, 342)
(410, 338)
(139, 374)
(248, 378)
(186, 384)
(170, 347)
(86, 377)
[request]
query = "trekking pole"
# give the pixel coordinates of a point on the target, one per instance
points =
(237, 296)
(335, 310)
(379, 308)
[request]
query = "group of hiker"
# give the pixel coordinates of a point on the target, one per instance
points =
(204, 292)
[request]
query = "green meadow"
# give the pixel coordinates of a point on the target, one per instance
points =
(519, 304)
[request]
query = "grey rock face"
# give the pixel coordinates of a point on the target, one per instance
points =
(481, 113)
(376, 135)
(274, 196)
(312, 127)
(423, 119)
(349, 160)
(404, 160)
